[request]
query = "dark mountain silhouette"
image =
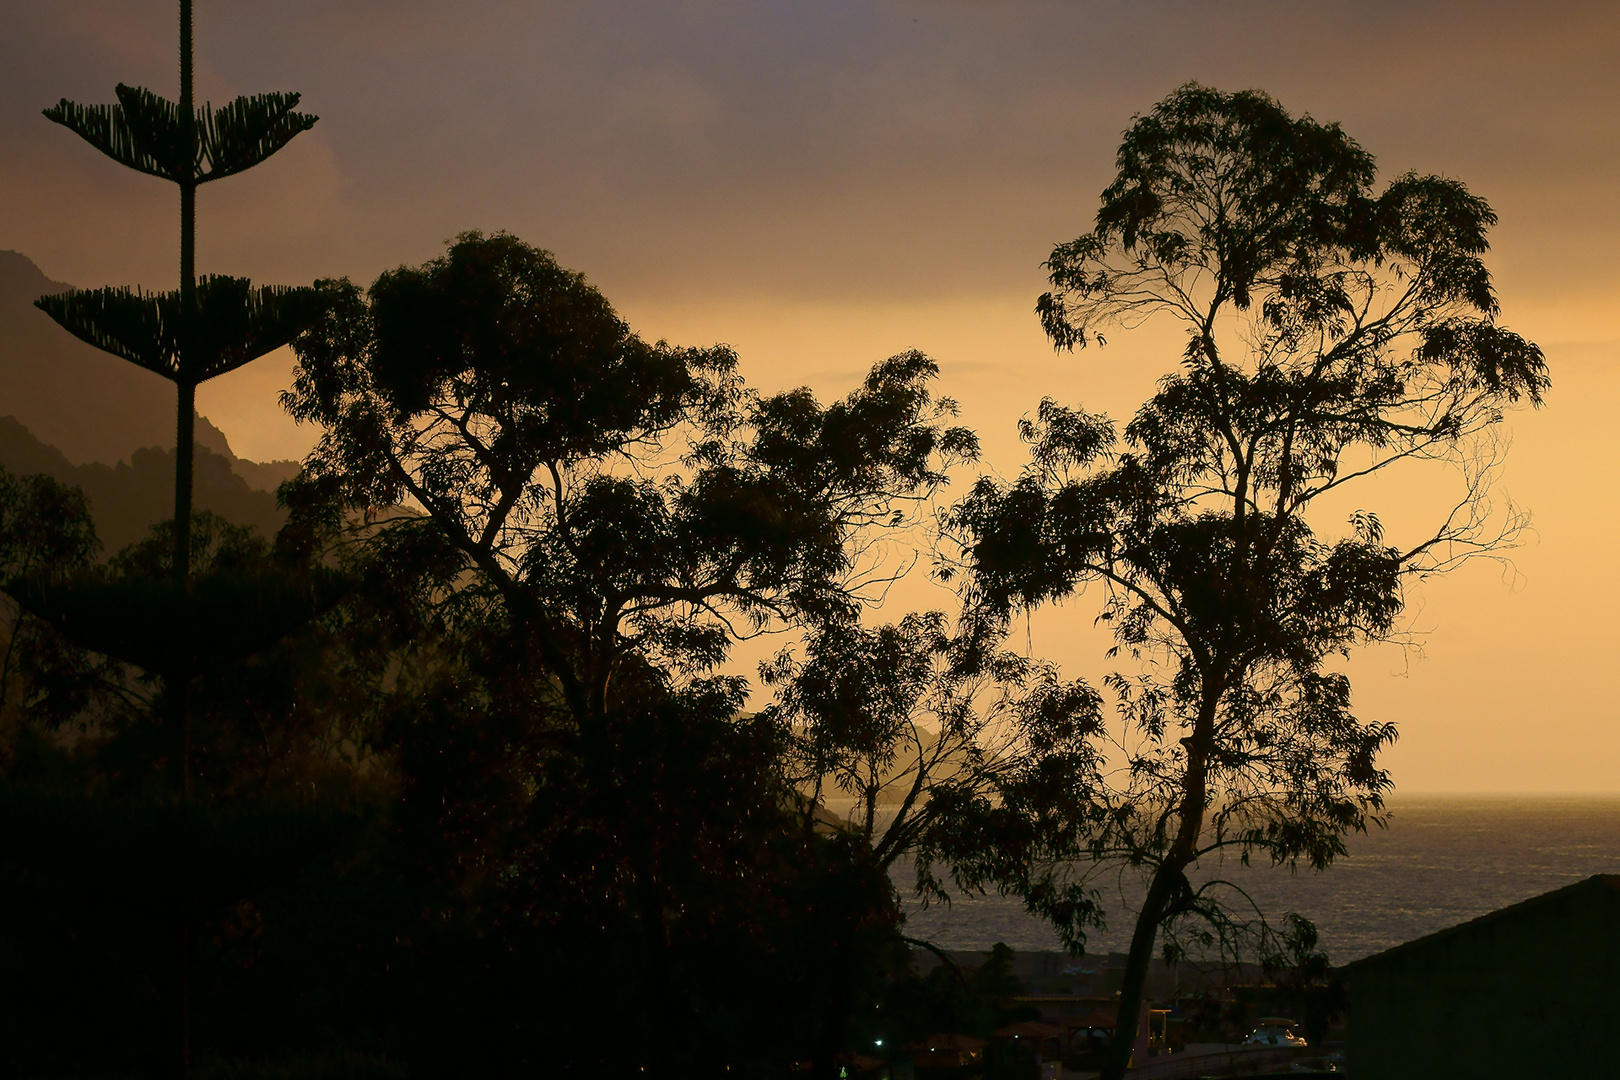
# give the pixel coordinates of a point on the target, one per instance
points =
(83, 402)
(260, 475)
(73, 397)
(130, 497)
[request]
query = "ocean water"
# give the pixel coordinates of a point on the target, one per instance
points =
(1442, 861)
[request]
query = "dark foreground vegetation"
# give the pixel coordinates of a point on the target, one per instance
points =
(447, 778)
(459, 789)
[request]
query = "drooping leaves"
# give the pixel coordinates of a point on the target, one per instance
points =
(1483, 357)
(1277, 185)
(146, 132)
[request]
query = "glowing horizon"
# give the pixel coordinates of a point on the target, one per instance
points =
(824, 186)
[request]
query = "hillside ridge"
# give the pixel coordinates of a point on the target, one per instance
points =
(129, 497)
(90, 406)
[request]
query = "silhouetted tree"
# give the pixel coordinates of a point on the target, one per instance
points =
(45, 681)
(102, 866)
(594, 520)
(937, 739)
(624, 498)
(1333, 332)
(209, 326)
(1303, 978)
(273, 704)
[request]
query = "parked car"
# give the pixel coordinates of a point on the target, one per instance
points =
(1275, 1031)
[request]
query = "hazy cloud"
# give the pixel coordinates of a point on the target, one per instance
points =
(827, 149)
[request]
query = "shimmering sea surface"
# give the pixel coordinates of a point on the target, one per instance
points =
(1442, 861)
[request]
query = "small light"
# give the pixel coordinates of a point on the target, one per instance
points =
(880, 1042)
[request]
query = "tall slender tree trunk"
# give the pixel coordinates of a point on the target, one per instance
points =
(1137, 964)
(184, 449)
(1162, 889)
(179, 677)
(619, 811)
(185, 427)
(185, 446)
(185, 385)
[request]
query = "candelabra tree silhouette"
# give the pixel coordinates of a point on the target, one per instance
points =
(209, 326)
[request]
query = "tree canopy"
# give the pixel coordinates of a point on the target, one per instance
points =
(1333, 331)
(581, 523)
(623, 497)
(466, 745)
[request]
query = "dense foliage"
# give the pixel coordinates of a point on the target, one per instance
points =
(448, 777)
(1333, 332)
(499, 747)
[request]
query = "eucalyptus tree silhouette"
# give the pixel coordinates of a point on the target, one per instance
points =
(623, 511)
(1333, 333)
(622, 499)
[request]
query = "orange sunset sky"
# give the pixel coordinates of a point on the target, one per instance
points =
(827, 182)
